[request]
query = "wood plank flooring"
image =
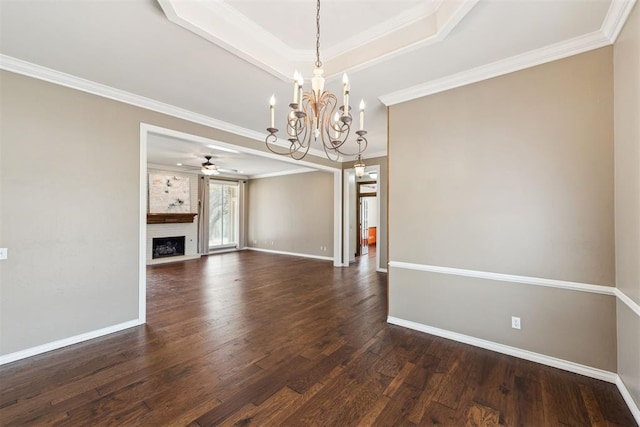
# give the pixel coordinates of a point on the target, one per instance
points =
(255, 339)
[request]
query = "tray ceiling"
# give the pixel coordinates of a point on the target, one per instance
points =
(128, 50)
(279, 36)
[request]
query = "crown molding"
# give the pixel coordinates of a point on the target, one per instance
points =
(18, 66)
(617, 15)
(25, 68)
(532, 58)
(613, 23)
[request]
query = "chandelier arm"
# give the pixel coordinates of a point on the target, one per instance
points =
(330, 153)
(297, 130)
(304, 132)
(296, 154)
(299, 144)
(362, 146)
(337, 144)
(270, 141)
(329, 126)
(343, 127)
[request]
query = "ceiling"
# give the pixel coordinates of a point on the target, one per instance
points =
(187, 155)
(394, 50)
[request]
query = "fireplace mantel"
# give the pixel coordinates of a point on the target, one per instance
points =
(169, 218)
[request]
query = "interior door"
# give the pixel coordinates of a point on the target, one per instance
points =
(364, 226)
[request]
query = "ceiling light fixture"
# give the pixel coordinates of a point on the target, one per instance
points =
(315, 116)
(209, 168)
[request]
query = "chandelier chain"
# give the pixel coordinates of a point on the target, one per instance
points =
(318, 63)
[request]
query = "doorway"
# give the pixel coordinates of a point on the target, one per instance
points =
(367, 217)
(171, 137)
(224, 214)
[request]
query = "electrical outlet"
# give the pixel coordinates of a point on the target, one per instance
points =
(515, 322)
(3, 253)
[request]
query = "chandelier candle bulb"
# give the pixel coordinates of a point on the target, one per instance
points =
(296, 86)
(336, 119)
(345, 88)
(300, 91)
(362, 114)
(272, 107)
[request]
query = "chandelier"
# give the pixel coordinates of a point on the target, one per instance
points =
(316, 116)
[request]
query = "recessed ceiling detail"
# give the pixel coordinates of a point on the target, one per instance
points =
(279, 36)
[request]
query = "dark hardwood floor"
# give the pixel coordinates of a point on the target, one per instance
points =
(250, 339)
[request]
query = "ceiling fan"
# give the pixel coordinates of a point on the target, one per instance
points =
(209, 168)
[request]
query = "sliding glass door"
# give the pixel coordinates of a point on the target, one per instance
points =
(223, 214)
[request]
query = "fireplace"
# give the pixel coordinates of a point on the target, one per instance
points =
(167, 246)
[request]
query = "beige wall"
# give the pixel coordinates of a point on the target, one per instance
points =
(292, 213)
(383, 194)
(510, 175)
(626, 62)
(71, 224)
(70, 209)
(468, 305)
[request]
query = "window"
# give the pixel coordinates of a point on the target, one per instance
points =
(223, 214)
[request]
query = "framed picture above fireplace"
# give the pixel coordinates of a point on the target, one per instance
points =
(169, 193)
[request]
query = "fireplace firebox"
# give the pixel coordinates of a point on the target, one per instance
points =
(163, 247)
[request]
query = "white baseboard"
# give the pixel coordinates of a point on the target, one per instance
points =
(381, 270)
(22, 354)
(325, 258)
(223, 251)
(172, 259)
(566, 365)
(633, 406)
